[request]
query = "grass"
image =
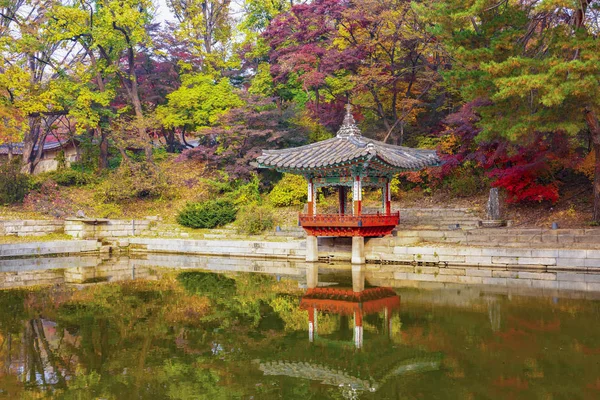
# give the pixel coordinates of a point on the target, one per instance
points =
(24, 239)
(17, 212)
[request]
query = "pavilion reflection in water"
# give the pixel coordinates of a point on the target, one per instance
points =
(359, 364)
(356, 302)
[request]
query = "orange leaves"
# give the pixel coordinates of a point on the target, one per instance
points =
(449, 144)
(587, 166)
(11, 124)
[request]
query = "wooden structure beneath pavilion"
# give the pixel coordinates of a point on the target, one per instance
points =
(349, 162)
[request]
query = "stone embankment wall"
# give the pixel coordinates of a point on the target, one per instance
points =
(101, 229)
(558, 268)
(219, 248)
(506, 237)
(30, 227)
(35, 249)
(78, 228)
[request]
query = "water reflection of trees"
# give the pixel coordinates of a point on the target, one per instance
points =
(199, 335)
(166, 339)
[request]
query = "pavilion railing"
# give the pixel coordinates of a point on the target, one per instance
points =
(338, 220)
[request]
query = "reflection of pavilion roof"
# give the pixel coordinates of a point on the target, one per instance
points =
(329, 376)
(347, 148)
(346, 301)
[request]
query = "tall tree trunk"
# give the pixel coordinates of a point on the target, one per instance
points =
(596, 215)
(101, 133)
(594, 125)
(103, 157)
(139, 114)
(32, 138)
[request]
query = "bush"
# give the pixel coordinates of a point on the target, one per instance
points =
(131, 181)
(209, 214)
(14, 185)
(238, 191)
(70, 177)
(465, 182)
(254, 219)
(108, 210)
(289, 191)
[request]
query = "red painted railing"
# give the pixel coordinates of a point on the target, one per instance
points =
(350, 221)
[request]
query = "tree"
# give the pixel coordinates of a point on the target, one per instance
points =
(376, 54)
(205, 27)
(400, 59)
(537, 62)
(240, 134)
(197, 103)
(303, 55)
(33, 65)
(119, 33)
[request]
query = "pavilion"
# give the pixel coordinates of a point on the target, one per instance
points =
(348, 160)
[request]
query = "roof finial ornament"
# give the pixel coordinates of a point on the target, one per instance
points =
(348, 127)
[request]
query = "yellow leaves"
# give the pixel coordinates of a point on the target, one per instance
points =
(12, 124)
(67, 22)
(117, 23)
(24, 95)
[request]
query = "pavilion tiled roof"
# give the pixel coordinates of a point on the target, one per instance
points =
(348, 146)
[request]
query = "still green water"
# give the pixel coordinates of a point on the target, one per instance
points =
(203, 335)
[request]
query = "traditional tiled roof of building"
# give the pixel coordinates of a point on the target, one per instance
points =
(347, 147)
(15, 148)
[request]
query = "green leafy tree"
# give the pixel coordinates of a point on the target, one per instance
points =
(206, 27)
(198, 103)
(538, 63)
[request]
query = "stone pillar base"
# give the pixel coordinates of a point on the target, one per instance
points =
(358, 277)
(312, 249)
(358, 250)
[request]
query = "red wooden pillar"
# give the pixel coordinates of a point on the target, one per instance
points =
(387, 197)
(357, 196)
(311, 198)
(342, 199)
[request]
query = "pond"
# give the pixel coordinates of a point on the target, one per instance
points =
(165, 329)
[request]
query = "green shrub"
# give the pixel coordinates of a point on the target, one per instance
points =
(255, 219)
(70, 177)
(291, 190)
(14, 185)
(246, 193)
(209, 214)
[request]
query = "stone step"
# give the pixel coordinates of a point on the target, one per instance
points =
(439, 221)
(428, 225)
(436, 227)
